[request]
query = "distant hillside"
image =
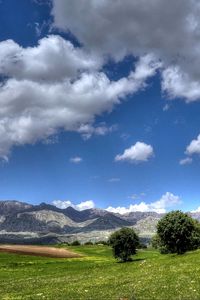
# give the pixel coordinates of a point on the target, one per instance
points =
(138, 215)
(12, 206)
(81, 216)
(108, 221)
(24, 223)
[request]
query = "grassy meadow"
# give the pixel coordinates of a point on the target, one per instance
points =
(97, 275)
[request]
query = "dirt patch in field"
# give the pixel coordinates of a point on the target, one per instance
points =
(39, 251)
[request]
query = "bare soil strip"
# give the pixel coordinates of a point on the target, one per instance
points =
(39, 251)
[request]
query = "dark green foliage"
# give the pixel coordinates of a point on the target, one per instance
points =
(177, 233)
(155, 241)
(75, 243)
(89, 243)
(124, 243)
(157, 244)
(195, 239)
(142, 246)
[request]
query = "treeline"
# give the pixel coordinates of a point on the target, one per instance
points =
(88, 243)
(177, 233)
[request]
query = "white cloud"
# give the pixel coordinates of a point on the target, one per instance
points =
(178, 84)
(194, 147)
(62, 204)
(87, 130)
(76, 159)
(137, 196)
(169, 29)
(38, 29)
(166, 201)
(134, 196)
(85, 205)
(114, 179)
(52, 60)
(140, 27)
(81, 206)
(125, 136)
(56, 86)
(185, 161)
(139, 152)
(166, 107)
(196, 210)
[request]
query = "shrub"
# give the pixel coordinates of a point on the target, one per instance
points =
(124, 243)
(75, 243)
(89, 243)
(177, 233)
(142, 246)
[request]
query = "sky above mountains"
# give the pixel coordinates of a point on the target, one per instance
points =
(100, 103)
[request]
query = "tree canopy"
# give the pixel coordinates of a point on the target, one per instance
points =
(177, 232)
(124, 243)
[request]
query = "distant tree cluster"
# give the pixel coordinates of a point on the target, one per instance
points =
(177, 232)
(88, 243)
(75, 243)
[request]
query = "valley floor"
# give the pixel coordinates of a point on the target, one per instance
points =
(98, 276)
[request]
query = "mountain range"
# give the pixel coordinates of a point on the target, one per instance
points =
(45, 224)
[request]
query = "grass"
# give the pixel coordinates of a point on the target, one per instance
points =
(98, 276)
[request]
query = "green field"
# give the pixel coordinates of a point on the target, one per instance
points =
(98, 276)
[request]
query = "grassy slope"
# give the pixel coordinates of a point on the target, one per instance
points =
(98, 276)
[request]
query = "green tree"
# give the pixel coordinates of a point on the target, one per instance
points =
(75, 243)
(155, 241)
(124, 243)
(177, 232)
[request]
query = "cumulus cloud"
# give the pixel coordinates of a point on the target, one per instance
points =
(194, 147)
(196, 210)
(85, 205)
(55, 86)
(53, 59)
(170, 30)
(185, 161)
(140, 152)
(178, 84)
(166, 201)
(76, 160)
(81, 206)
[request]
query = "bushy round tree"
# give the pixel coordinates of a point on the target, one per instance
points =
(124, 243)
(176, 232)
(75, 243)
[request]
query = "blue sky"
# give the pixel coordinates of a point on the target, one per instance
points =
(98, 114)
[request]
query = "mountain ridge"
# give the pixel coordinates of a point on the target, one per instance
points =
(22, 222)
